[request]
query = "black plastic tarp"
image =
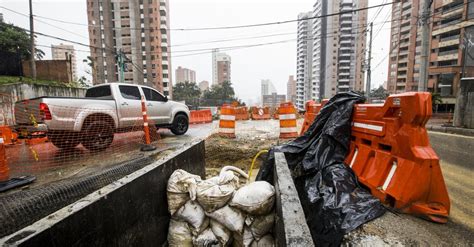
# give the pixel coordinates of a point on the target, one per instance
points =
(333, 201)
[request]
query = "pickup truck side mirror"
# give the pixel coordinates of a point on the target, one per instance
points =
(166, 98)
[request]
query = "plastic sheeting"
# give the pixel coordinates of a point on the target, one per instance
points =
(333, 201)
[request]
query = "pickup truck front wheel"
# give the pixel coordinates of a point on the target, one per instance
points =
(98, 135)
(180, 124)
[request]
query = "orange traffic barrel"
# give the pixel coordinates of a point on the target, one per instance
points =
(227, 121)
(287, 116)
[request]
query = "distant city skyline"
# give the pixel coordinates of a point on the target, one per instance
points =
(249, 65)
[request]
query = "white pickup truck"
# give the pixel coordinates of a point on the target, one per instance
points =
(93, 120)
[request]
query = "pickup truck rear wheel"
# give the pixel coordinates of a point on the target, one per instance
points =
(63, 139)
(98, 135)
(180, 124)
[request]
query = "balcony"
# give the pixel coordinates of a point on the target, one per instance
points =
(453, 27)
(450, 42)
(162, 8)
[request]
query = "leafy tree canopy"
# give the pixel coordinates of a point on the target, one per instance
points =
(379, 93)
(13, 38)
(187, 91)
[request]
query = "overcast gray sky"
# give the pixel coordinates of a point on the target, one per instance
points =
(249, 65)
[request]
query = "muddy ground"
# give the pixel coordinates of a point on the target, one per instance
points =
(239, 152)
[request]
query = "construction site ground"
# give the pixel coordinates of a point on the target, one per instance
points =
(393, 228)
(252, 136)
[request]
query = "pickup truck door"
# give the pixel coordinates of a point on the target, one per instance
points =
(129, 106)
(158, 107)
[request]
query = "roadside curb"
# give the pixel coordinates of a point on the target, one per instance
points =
(451, 130)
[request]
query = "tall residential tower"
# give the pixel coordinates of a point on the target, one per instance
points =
(130, 42)
(221, 67)
(304, 60)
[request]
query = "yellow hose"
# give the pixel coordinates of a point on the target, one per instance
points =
(253, 162)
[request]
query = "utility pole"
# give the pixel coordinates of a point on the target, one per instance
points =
(121, 65)
(425, 45)
(32, 44)
(367, 87)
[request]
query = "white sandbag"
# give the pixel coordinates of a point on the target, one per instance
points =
(206, 238)
(212, 196)
(231, 218)
(256, 198)
(247, 237)
(262, 225)
(181, 188)
(193, 214)
(222, 233)
(266, 241)
(230, 174)
(179, 234)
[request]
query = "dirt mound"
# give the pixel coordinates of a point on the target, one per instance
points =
(237, 152)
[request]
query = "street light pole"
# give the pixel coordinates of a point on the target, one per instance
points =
(425, 45)
(367, 88)
(32, 44)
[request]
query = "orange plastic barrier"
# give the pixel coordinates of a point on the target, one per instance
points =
(9, 137)
(4, 170)
(312, 110)
(260, 113)
(242, 113)
(392, 156)
(200, 116)
(275, 113)
(227, 122)
(287, 116)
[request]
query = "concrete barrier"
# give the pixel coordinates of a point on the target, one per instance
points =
(290, 228)
(454, 149)
(131, 211)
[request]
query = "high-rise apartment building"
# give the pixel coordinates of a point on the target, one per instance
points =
(130, 42)
(304, 60)
(405, 47)
(338, 47)
(273, 100)
(184, 74)
(291, 89)
(221, 67)
(266, 88)
(452, 47)
(203, 86)
(452, 27)
(65, 52)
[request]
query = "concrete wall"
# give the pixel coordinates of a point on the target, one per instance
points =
(10, 93)
(56, 70)
(132, 211)
(454, 149)
(290, 228)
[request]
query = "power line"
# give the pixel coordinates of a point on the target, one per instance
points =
(240, 26)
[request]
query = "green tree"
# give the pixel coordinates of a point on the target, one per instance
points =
(435, 101)
(187, 91)
(219, 94)
(13, 38)
(379, 93)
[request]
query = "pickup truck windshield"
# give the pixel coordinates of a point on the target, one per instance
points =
(102, 92)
